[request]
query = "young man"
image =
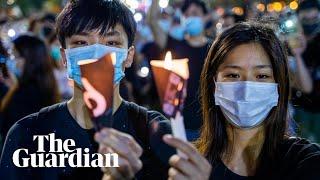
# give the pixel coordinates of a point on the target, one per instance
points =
(136, 133)
(193, 46)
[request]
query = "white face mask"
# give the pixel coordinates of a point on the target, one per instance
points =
(246, 104)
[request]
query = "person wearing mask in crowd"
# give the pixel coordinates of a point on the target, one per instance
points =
(194, 45)
(308, 102)
(59, 71)
(43, 26)
(35, 86)
(136, 132)
(244, 98)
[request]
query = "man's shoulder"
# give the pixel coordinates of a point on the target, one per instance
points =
(152, 115)
(35, 120)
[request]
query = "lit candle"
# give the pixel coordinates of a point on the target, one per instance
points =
(171, 79)
(97, 78)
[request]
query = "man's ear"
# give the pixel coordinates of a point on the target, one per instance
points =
(127, 63)
(63, 56)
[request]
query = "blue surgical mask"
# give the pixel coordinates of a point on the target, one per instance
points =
(246, 104)
(94, 51)
(177, 32)
(55, 53)
(12, 67)
(194, 26)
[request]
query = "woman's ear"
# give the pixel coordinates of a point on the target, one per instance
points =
(63, 56)
(128, 62)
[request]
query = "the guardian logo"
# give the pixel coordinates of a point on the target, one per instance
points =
(61, 154)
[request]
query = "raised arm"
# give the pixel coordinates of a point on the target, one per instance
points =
(160, 37)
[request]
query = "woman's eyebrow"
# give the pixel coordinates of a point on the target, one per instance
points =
(263, 66)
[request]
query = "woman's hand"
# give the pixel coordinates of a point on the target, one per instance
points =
(195, 167)
(128, 150)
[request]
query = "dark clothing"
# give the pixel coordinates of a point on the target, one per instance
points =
(311, 56)
(57, 119)
(196, 56)
(296, 159)
(25, 100)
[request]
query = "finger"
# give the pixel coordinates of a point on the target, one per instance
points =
(126, 139)
(123, 171)
(183, 165)
(188, 149)
(123, 150)
(176, 175)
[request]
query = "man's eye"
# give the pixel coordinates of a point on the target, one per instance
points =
(80, 43)
(233, 76)
(112, 43)
(263, 76)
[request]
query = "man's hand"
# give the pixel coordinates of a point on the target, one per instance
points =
(129, 151)
(195, 167)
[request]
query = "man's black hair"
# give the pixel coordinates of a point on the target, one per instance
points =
(84, 15)
(199, 3)
(308, 4)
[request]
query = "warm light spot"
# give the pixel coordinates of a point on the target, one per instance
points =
(294, 5)
(168, 61)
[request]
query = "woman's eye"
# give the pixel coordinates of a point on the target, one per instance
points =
(263, 76)
(233, 76)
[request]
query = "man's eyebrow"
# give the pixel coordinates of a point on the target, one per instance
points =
(83, 33)
(113, 33)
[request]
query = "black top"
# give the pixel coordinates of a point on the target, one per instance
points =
(25, 100)
(196, 56)
(57, 119)
(311, 102)
(296, 159)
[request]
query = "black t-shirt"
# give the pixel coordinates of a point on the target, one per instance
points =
(296, 159)
(58, 120)
(196, 56)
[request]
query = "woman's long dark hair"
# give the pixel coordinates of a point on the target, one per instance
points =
(213, 141)
(37, 70)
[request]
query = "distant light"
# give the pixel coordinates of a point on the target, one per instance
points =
(163, 3)
(138, 17)
(237, 11)
(134, 4)
(289, 24)
(270, 8)
(219, 25)
(294, 5)
(277, 6)
(10, 2)
(11, 33)
(144, 72)
(261, 7)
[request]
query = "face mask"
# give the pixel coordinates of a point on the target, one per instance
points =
(164, 24)
(311, 26)
(55, 53)
(194, 26)
(95, 51)
(246, 104)
(177, 32)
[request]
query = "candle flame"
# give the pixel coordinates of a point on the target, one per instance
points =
(168, 61)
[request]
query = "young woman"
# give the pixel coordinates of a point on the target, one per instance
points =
(244, 97)
(35, 86)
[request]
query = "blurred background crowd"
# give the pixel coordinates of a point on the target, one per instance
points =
(33, 75)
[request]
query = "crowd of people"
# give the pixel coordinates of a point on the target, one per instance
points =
(252, 108)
